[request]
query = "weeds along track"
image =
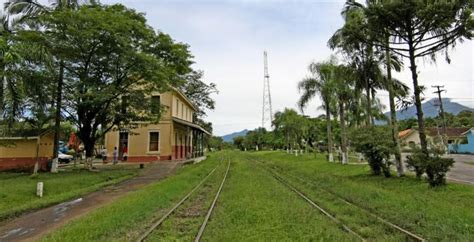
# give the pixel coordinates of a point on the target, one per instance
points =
(168, 214)
(302, 181)
(211, 208)
(311, 202)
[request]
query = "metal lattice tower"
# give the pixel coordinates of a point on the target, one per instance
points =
(267, 113)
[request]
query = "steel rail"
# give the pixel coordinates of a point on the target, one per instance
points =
(312, 203)
(162, 219)
(209, 212)
(342, 199)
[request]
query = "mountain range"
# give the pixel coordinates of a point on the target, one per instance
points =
(430, 110)
(230, 137)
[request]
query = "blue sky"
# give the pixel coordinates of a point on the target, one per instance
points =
(228, 38)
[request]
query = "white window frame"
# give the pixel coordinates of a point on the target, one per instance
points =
(148, 142)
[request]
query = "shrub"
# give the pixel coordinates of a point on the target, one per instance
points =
(432, 164)
(436, 169)
(417, 161)
(375, 143)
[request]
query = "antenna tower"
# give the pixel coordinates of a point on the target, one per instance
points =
(267, 113)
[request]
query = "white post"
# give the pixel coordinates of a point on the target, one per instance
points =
(54, 165)
(331, 157)
(39, 189)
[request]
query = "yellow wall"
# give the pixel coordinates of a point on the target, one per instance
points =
(138, 139)
(166, 100)
(181, 109)
(25, 148)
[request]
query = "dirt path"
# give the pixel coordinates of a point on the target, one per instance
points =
(32, 226)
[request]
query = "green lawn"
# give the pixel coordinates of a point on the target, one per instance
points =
(254, 206)
(18, 190)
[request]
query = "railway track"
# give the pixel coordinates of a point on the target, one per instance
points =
(406, 232)
(211, 208)
(156, 224)
(312, 203)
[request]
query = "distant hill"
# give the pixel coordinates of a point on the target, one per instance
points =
(230, 137)
(430, 110)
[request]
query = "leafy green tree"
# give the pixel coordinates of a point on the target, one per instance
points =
(27, 12)
(199, 92)
(320, 82)
(419, 29)
(112, 62)
(350, 38)
(215, 143)
(239, 142)
(289, 124)
(375, 144)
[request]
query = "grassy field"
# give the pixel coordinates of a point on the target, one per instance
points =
(20, 189)
(444, 213)
(255, 206)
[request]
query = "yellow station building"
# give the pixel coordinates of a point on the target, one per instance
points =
(175, 137)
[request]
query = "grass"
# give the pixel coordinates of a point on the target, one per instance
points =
(436, 214)
(253, 206)
(19, 189)
(128, 217)
(184, 224)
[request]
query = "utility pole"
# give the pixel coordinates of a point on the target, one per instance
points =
(439, 91)
(267, 112)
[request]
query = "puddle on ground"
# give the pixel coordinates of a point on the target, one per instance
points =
(16, 232)
(63, 207)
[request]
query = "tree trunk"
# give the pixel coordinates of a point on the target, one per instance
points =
(57, 121)
(329, 133)
(417, 91)
(393, 114)
(343, 133)
(2, 88)
(369, 104)
(89, 148)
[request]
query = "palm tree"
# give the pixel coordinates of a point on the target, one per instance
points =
(354, 41)
(320, 82)
(350, 38)
(344, 89)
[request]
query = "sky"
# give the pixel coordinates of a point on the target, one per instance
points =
(228, 37)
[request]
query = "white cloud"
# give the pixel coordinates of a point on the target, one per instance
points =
(228, 39)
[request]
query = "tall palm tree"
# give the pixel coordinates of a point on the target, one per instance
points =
(344, 92)
(320, 82)
(354, 41)
(356, 33)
